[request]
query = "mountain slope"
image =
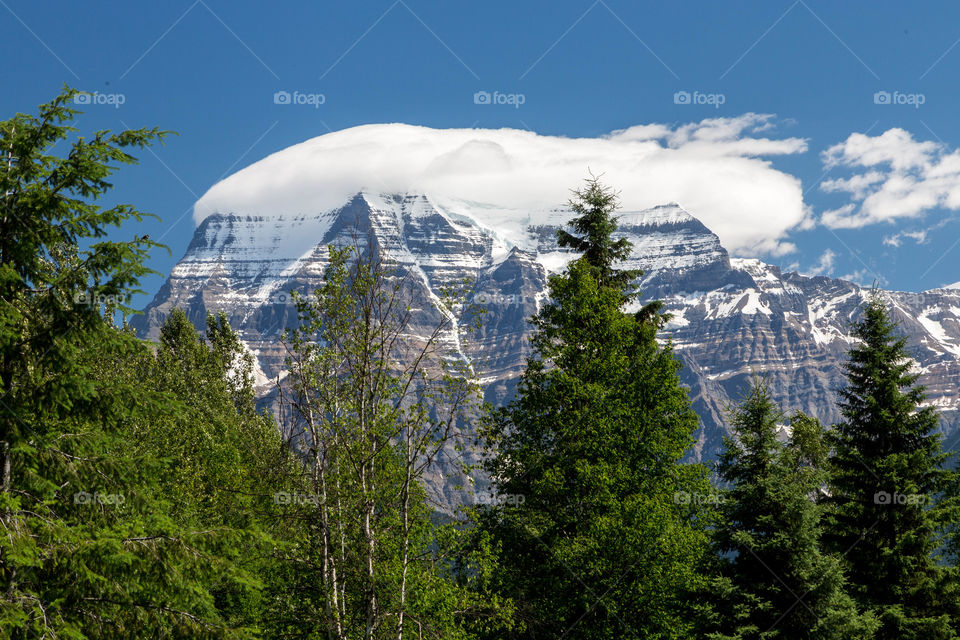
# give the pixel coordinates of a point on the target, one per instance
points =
(732, 318)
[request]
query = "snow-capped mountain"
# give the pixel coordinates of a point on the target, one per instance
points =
(732, 318)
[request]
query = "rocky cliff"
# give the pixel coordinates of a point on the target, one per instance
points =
(732, 318)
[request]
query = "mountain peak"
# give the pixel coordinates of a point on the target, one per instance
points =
(730, 317)
(511, 170)
(660, 215)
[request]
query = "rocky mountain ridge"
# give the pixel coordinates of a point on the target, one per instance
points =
(731, 317)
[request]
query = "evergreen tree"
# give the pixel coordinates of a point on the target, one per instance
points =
(593, 541)
(90, 544)
(593, 227)
(887, 477)
(222, 450)
(220, 457)
(775, 581)
(368, 414)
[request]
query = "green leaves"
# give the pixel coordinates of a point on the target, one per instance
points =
(775, 580)
(143, 495)
(600, 546)
(595, 225)
(97, 541)
(370, 411)
(887, 480)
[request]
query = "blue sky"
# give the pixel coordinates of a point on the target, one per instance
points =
(209, 70)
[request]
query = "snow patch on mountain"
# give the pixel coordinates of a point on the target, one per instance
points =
(937, 331)
(510, 178)
(660, 216)
(730, 317)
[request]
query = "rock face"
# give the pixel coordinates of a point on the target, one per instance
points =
(731, 317)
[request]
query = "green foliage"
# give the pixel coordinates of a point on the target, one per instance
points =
(219, 448)
(592, 538)
(51, 291)
(143, 495)
(219, 456)
(369, 414)
(774, 580)
(594, 226)
(97, 539)
(887, 477)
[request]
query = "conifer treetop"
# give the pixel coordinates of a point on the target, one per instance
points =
(593, 229)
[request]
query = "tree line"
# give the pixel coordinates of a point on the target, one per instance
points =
(144, 494)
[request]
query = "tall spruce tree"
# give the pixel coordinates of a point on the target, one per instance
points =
(90, 542)
(887, 477)
(775, 580)
(219, 455)
(593, 541)
(593, 227)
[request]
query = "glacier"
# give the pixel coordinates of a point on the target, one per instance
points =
(732, 318)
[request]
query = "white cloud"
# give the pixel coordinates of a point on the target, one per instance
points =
(865, 278)
(718, 169)
(894, 146)
(895, 240)
(825, 264)
(894, 177)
